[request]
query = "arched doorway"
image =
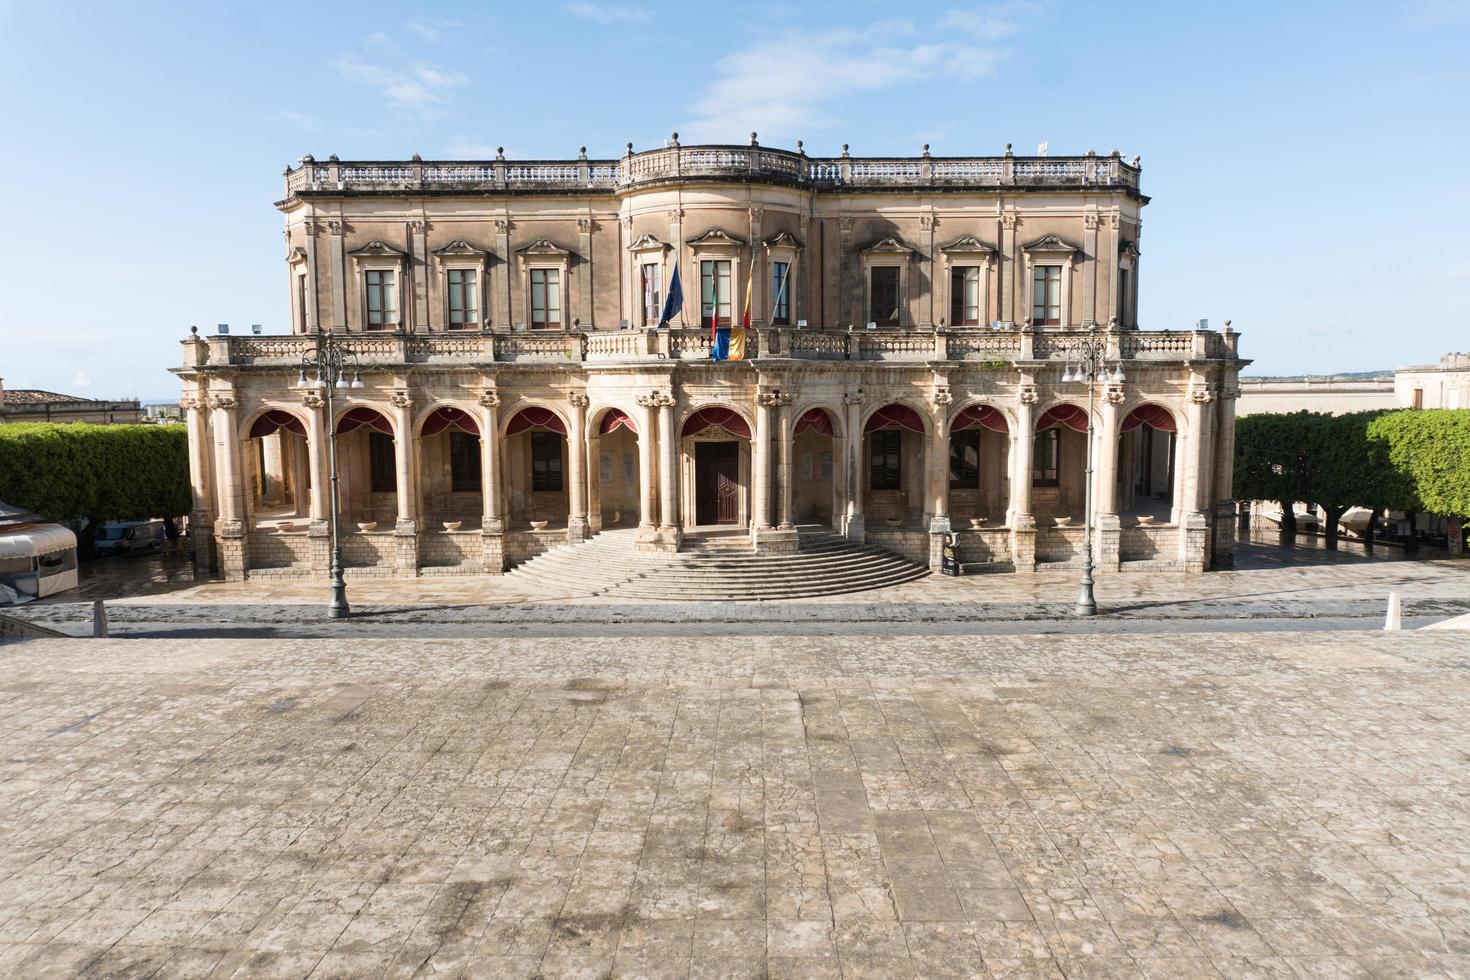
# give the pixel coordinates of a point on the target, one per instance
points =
(979, 451)
(367, 467)
(450, 468)
(277, 469)
(1147, 464)
(614, 479)
(716, 465)
(895, 467)
(1059, 463)
(536, 468)
(814, 483)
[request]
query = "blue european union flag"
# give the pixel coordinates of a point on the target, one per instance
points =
(721, 350)
(674, 301)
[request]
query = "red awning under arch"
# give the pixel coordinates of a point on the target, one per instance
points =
(900, 415)
(449, 417)
(274, 421)
(982, 415)
(356, 418)
(815, 419)
(536, 418)
(615, 419)
(1071, 416)
(707, 418)
(1154, 415)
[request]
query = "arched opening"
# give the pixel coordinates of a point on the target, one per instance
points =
(277, 470)
(979, 451)
(893, 455)
(1147, 464)
(367, 468)
(614, 478)
(814, 460)
(716, 464)
(1059, 463)
(450, 473)
(536, 469)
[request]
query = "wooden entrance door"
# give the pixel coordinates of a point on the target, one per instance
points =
(716, 482)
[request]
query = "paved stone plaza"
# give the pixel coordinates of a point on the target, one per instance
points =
(1211, 805)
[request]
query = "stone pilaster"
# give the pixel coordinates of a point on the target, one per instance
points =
(319, 546)
(768, 539)
(405, 530)
(577, 469)
(647, 537)
(669, 534)
(855, 526)
(1019, 516)
(234, 549)
(492, 524)
(1107, 540)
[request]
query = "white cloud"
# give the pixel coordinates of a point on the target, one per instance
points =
(414, 87)
(605, 13)
(462, 149)
(429, 28)
(81, 379)
(299, 120)
(780, 85)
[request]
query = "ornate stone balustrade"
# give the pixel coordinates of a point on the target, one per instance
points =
(703, 162)
(692, 343)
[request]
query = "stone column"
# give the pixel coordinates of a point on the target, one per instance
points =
(938, 453)
(1019, 517)
(647, 523)
(405, 531)
(584, 273)
(502, 276)
(1089, 269)
(492, 524)
(668, 496)
(1006, 279)
(201, 517)
(1107, 527)
(1194, 523)
(230, 531)
(855, 528)
(319, 532)
(577, 469)
(760, 479)
(1223, 552)
(786, 471)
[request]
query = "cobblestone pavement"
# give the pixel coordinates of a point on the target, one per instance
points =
(1211, 805)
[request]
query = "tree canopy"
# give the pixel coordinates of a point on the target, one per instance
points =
(105, 472)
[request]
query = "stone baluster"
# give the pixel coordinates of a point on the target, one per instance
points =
(577, 469)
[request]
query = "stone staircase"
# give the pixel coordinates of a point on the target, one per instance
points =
(711, 567)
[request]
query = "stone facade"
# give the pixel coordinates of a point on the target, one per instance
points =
(912, 320)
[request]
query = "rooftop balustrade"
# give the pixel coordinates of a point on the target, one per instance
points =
(996, 348)
(710, 162)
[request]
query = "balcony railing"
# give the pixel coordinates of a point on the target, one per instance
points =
(704, 162)
(995, 347)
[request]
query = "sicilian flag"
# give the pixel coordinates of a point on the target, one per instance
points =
(737, 334)
(674, 301)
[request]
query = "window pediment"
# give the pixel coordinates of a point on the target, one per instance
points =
(888, 246)
(296, 255)
(1050, 245)
(648, 243)
(968, 245)
(784, 240)
(378, 250)
(459, 248)
(716, 238)
(543, 248)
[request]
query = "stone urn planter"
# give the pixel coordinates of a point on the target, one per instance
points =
(285, 527)
(453, 525)
(976, 523)
(367, 525)
(1064, 522)
(893, 521)
(538, 525)
(1145, 520)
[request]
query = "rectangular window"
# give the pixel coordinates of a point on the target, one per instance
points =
(382, 299)
(781, 293)
(964, 460)
(464, 299)
(885, 469)
(964, 296)
(1044, 463)
(382, 468)
(464, 462)
(546, 461)
(714, 285)
(546, 299)
(883, 296)
(652, 302)
(1046, 295)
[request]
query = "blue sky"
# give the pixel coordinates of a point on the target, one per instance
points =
(1309, 163)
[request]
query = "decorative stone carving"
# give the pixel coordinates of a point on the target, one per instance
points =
(927, 221)
(223, 402)
(584, 225)
(490, 398)
(1228, 393)
(1090, 221)
(1028, 395)
(1201, 395)
(675, 214)
(648, 400)
(402, 398)
(941, 395)
(502, 226)
(1050, 244)
(1008, 220)
(1114, 395)
(337, 227)
(418, 227)
(852, 397)
(845, 225)
(577, 399)
(716, 236)
(967, 244)
(313, 400)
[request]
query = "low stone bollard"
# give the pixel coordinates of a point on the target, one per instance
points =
(99, 619)
(1395, 619)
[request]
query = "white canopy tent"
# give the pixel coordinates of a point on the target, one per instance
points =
(36, 560)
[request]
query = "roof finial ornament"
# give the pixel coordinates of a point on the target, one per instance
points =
(333, 158)
(926, 149)
(674, 141)
(844, 149)
(500, 153)
(1008, 149)
(799, 148)
(582, 153)
(630, 148)
(416, 159)
(753, 139)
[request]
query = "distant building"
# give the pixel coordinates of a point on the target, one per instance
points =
(34, 405)
(1442, 385)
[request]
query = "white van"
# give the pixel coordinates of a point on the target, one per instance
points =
(129, 537)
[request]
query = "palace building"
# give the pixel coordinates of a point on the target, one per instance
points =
(907, 378)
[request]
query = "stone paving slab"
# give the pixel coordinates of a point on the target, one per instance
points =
(1210, 805)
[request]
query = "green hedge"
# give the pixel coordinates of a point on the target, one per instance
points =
(103, 472)
(1431, 449)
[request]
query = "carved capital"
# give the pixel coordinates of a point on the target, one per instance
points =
(1229, 393)
(675, 214)
(1008, 220)
(311, 226)
(941, 395)
(845, 225)
(649, 400)
(223, 402)
(1114, 395)
(402, 398)
(1115, 219)
(313, 400)
(577, 399)
(1090, 221)
(418, 227)
(502, 226)
(1201, 395)
(337, 227)
(663, 399)
(1027, 395)
(490, 398)
(927, 222)
(757, 215)
(852, 397)
(584, 225)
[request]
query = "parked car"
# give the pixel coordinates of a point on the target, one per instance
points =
(129, 537)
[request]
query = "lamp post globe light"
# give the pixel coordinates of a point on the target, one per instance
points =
(1087, 364)
(326, 367)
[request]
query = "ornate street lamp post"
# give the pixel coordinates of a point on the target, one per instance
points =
(326, 366)
(1090, 354)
